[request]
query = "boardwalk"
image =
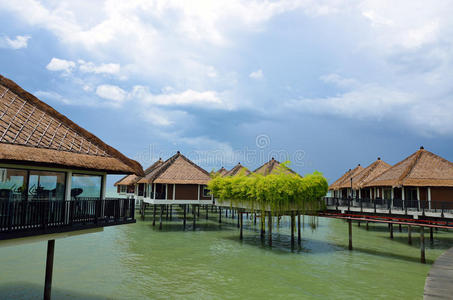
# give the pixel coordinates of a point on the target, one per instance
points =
(439, 281)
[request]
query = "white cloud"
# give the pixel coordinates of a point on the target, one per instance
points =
(49, 95)
(111, 92)
(258, 74)
(21, 41)
(57, 64)
(90, 67)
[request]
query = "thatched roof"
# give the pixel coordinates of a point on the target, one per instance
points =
(273, 167)
(367, 174)
(346, 178)
(178, 169)
(128, 180)
(32, 132)
(238, 170)
(422, 168)
(151, 171)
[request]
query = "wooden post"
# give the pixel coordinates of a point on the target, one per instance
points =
(400, 228)
(422, 245)
(171, 211)
(185, 216)
(358, 224)
(409, 234)
(391, 230)
(207, 211)
(254, 219)
(240, 215)
(154, 214)
(160, 218)
(263, 231)
(220, 215)
(49, 269)
(299, 233)
(366, 225)
(198, 206)
(269, 227)
(293, 220)
(431, 236)
(194, 215)
(350, 233)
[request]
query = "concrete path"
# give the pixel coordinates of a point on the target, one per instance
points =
(439, 283)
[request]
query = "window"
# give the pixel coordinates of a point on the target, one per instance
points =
(206, 192)
(86, 186)
(46, 185)
(13, 184)
(123, 189)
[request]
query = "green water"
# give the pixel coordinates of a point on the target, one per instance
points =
(138, 261)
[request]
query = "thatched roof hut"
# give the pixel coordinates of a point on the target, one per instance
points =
(151, 171)
(32, 132)
(273, 166)
(346, 178)
(420, 169)
(238, 170)
(222, 171)
(367, 174)
(178, 169)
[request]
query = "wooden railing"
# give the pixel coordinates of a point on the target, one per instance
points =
(37, 217)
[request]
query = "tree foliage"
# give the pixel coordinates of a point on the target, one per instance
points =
(278, 192)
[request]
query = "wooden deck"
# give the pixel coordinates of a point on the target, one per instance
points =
(438, 284)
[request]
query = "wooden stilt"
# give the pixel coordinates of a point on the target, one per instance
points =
(366, 225)
(239, 215)
(293, 220)
(154, 214)
(299, 232)
(350, 233)
(358, 224)
(409, 234)
(194, 215)
(391, 230)
(226, 213)
(422, 245)
(49, 269)
(241, 225)
(254, 219)
(431, 236)
(160, 218)
(400, 228)
(207, 212)
(198, 210)
(220, 215)
(185, 216)
(263, 231)
(269, 227)
(171, 211)
(166, 212)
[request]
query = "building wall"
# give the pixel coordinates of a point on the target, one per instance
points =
(170, 191)
(186, 192)
(441, 194)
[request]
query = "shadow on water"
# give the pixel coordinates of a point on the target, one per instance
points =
(172, 226)
(25, 290)
(390, 255)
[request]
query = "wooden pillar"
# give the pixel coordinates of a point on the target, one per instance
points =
(400, 228)
(254, 219)
(166, 212)
(299, 233)
(391, 230)
(263, 231)
(198, 207)
(409, 234)
(431, 236)
(185, 216)
(239, 215)
(350, 233)
(220, 215)
(366, 225)
(154, 214)
(160, 218)
(207, 212)
(269, 227)
(241, 223)
(49, 269)
(422, 245)
(293, 220)
(194, 215)
(171, 211)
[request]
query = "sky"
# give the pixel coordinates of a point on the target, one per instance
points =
(325, 84)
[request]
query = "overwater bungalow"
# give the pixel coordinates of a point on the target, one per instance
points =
(337, 188)
(53, 175)
(222, 171)
(273, 166)
(359, 179)
(423, 180)
(178, 180)
(126, 185)
(238, 170)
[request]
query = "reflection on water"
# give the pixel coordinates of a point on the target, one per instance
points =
(138, 261)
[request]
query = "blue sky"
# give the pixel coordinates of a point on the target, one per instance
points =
(326, 84)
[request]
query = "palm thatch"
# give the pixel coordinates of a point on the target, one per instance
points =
(32, 132)
(238, 170)
(273, 167)
(222, 171)
(151, 171)
(422, 168)
(367, 174)
(346, 178)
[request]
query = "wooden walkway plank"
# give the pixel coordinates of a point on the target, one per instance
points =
(439, 283)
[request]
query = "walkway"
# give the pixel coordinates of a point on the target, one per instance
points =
(438, 284)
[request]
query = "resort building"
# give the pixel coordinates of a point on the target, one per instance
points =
(238, 170)
(178, 180)
(273, 167)
(53, 175)
(357, 180)
(126, 185)
(222, 171)
(338, 189)
(423, 181)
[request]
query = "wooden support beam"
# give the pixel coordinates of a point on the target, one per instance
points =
(400, 228)
(367, 225)
(160, 218)
(241, 225)
(269, 228)
(185, 216)
(409, 234)
(431, 236)
(422, 245)
(154, 214)
(239, 215)
(391, 230)
(299, 233)
(293, 220)
(263, 231)
(49, 269)
(350, 233)
(166, 212)
(171, 211)
(198, 210)
(207, 212)
(220, 215)
(194, 215)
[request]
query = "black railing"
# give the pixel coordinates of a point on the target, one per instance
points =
(391, 204)
(38, 217)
